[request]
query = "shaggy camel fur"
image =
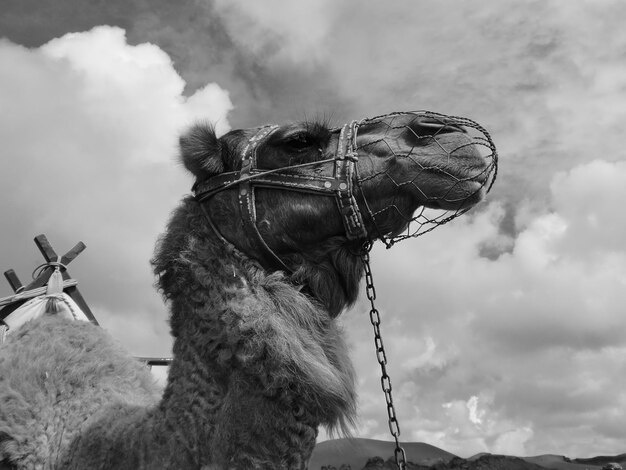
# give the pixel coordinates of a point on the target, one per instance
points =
(259, 358)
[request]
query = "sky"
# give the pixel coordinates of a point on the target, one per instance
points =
(505, 329)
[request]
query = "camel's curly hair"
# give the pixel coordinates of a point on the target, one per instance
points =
(260, 322)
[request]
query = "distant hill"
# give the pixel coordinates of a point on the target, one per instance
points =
(484, 462)
(360, 454)
(560, 462)
(356, 452)
(603, 459)
(488, 462)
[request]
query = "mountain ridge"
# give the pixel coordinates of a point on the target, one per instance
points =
(361, 453)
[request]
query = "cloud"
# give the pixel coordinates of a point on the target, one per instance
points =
(521, 353)
(281, 31)
(590, 197)
(89, 130)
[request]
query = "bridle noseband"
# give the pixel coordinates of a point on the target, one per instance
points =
(249, 177)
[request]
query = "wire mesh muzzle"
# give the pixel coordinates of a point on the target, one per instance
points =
(424, 132)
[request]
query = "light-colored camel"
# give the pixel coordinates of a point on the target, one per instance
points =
(259, 358)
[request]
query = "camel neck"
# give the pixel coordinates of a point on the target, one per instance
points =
(258, 365)
(190, 404)
(202, 318)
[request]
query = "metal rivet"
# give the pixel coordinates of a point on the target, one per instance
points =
(327, 184)
(343, 186)
(243, 191)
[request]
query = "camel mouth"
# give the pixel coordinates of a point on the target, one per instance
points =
(459, 186)
(461, 197)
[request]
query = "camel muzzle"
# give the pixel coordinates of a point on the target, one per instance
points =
(464, 166)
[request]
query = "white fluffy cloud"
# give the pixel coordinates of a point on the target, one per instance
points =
(89, 129)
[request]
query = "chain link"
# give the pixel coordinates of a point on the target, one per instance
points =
(381, 356)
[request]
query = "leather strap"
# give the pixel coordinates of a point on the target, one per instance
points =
(290, 181)
(247, 203)
(344, 171)
(249, 177)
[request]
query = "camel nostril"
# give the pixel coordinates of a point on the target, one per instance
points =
(423, 126)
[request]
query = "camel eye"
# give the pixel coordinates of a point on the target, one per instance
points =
(298, 142)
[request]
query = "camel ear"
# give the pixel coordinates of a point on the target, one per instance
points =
(201, 150)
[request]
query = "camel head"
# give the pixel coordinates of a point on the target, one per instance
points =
(306, 199)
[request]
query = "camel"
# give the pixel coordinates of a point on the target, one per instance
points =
(255, 267)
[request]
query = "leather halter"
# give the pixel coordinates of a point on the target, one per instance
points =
(339, 185)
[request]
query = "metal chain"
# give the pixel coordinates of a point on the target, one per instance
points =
(385, 380)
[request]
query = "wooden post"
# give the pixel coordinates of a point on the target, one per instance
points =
(14, 281)
(42, 279)
(155, 361)
(50, 255)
